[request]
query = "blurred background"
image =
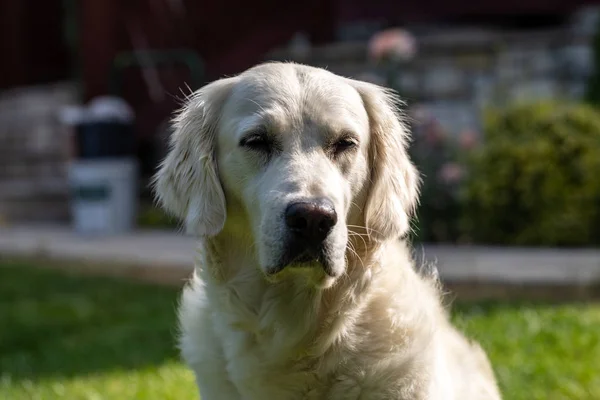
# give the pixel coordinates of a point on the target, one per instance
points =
(502, 99)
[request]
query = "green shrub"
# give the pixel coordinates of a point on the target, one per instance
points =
(153, 217)
(535, 181)
(593, 85)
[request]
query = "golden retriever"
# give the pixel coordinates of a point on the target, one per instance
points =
(298, 184)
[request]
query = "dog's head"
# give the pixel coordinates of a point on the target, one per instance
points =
(295, 157)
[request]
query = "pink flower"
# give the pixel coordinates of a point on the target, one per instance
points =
(451, 173)
(395, 44)
(434, 132)
(467, 139)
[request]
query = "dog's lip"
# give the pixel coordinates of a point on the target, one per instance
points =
(303, 260)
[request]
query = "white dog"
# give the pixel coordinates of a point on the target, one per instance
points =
(298, 184)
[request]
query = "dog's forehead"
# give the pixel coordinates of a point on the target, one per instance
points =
(296, 94)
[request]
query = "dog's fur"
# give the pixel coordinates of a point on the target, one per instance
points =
(363, 324)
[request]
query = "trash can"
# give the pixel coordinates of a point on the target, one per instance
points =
(103, 195)
(104, 139)
(103, 172)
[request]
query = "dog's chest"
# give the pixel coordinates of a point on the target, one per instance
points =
(261, 372)
(267, 368)
(268, 363)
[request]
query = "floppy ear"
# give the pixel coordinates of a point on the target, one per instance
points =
(187, 183)
(393, 194)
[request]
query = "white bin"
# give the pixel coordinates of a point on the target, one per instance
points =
(103, 195)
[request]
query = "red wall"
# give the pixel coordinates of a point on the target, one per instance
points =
(32, 45)
(229, 36)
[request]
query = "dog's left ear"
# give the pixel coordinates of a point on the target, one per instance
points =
(187, 183)
(393, 195)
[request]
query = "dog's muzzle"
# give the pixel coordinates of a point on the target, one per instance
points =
(309, 224)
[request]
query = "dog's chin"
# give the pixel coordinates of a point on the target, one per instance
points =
(316, 273)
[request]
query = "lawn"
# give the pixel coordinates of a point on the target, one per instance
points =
(64, 336)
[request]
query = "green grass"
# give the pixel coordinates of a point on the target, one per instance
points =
(539, 351)
(64, 336)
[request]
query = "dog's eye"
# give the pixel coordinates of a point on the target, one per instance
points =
(257, 142)
(343, 145)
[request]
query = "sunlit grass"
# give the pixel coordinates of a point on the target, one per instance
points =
(539, 351)
(167, 381)
(64, 336)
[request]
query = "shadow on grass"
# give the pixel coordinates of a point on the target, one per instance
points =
(59, 324)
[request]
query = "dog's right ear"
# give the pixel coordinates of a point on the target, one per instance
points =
(187, 183)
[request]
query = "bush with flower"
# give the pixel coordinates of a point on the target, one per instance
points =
(388, 50)
(440, 158)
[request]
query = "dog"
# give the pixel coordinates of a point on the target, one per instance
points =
(298, 185)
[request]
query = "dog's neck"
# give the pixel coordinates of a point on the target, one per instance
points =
(290, 312)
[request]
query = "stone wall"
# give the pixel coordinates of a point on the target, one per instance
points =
(457, 74)
(34, 150)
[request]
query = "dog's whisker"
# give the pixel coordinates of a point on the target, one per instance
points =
(365, 228)
(351, 248)
(357, 234)
(368, 230)
(352, 234)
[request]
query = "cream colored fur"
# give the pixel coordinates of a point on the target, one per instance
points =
(373, 329)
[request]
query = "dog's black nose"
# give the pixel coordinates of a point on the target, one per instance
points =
(311, 220)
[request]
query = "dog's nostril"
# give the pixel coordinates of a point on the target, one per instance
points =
(312, 220)
(295, 217)
(326, 224)
(297, 222)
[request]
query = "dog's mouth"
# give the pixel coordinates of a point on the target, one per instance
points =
(306, 258)
(313, 259)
